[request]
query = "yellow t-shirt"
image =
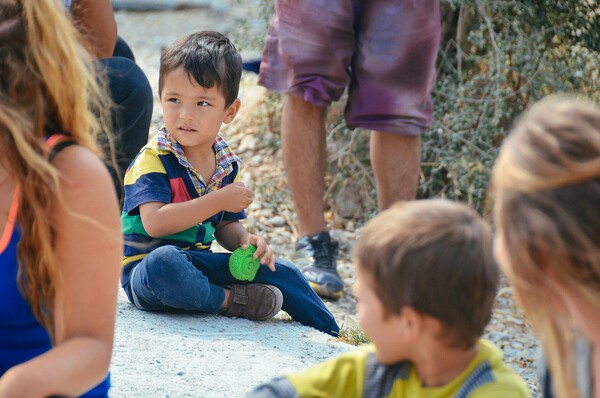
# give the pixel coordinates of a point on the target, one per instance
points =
(359, 374)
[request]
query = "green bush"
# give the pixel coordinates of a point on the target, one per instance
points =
(496, 58)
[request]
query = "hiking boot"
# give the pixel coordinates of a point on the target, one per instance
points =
(315, 257)
(254, 301)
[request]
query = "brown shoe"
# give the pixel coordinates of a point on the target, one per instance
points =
(253, 301)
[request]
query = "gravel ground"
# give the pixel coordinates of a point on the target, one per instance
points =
(177, 355)
(271, 215)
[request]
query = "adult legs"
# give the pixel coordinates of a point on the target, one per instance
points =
(396, 163)
(393, 74)
(311, 67)
(122, 49)
(131, 94)
(304, 152)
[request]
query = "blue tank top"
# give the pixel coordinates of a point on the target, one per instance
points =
(22, 337)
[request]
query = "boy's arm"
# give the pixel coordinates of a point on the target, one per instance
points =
(231, 235)
(161, 219)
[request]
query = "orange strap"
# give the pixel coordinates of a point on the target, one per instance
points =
(11, 220)
(54, 140)
(51, 143)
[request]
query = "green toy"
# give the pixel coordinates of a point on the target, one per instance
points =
(242, 264)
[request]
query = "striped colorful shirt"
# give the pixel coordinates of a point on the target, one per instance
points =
(161, 173)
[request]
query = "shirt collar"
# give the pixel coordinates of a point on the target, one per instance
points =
(225, 156)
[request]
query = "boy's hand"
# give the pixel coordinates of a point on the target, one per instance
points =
(263, 252)
(235, 197)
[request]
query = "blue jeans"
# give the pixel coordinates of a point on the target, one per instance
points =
(170, 278)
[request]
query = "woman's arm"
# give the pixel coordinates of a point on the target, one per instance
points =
(88, 251)
(96, 22)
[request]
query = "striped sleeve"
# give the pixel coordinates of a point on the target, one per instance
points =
(146, 181)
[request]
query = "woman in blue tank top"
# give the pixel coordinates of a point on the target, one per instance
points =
(60, 240)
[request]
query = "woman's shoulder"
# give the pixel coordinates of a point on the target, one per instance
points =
(79, 166)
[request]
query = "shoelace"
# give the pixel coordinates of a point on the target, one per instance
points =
(324, 253)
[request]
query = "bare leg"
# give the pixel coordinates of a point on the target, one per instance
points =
(304, 151)
(396, 162)
(226, 299)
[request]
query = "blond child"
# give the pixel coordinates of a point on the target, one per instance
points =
(547, 213)
(426, 281)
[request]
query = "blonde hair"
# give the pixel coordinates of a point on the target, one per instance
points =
(47, 85)
(546, 184)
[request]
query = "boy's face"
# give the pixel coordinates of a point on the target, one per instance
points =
(193, 114)
(384, 330)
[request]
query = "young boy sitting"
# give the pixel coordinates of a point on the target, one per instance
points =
(182, 191)
(426, 281)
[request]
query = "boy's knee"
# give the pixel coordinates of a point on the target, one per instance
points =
(286, 266)
(163, 262)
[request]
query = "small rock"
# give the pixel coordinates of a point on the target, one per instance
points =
(350, 226)
(349, 201)
(276, 221)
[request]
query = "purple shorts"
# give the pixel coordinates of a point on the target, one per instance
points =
(384, 51)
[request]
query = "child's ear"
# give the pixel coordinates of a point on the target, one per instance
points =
(412, 323)
(232, 110)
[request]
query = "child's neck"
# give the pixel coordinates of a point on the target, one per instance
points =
(441, 365)
(204, 162)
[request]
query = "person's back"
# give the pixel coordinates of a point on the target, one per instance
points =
(426, 282)
(60, 245)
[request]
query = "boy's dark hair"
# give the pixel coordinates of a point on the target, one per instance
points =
(436, 257)
(209, 57)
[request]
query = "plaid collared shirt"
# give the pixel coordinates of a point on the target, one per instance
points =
(223, 154)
